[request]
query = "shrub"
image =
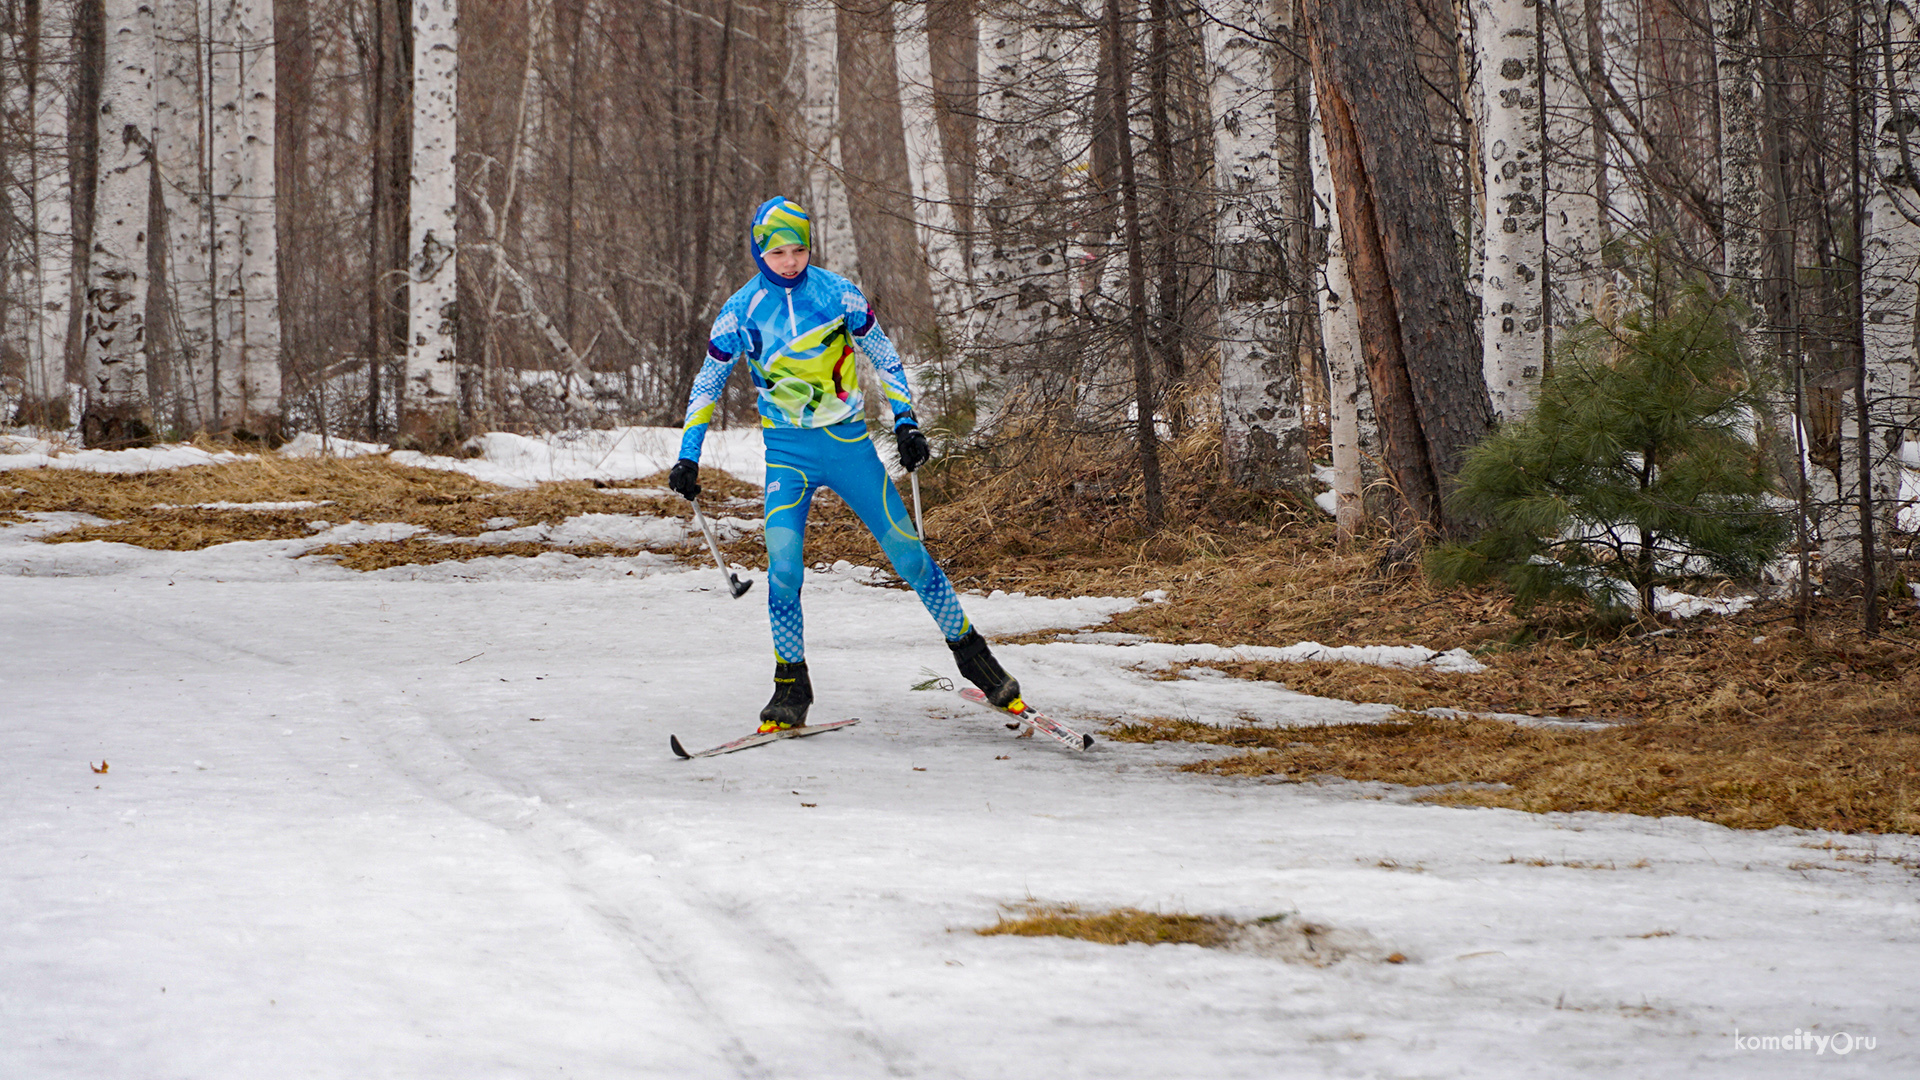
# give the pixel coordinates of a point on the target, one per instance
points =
(1637, 469)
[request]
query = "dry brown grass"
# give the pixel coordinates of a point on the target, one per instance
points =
(158, 509)
(1849, 778)
(1120, 926)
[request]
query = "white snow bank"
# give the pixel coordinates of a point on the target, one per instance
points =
(615, 454)
(308, 444)
(38, 454)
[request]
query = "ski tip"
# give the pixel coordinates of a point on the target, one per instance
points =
(678, 750)
(1086, 742)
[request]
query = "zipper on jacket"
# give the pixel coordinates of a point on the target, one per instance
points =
(793, 324)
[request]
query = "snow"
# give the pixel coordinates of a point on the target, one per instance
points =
(423, 823)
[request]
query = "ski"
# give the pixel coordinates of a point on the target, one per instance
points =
(759, 738)
(1034, 720)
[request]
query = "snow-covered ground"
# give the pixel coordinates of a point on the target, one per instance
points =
(423, 823)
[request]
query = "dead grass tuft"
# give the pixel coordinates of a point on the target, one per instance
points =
(384, 554)
(1120, 926)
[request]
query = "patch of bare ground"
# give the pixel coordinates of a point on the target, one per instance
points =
(1281, 937)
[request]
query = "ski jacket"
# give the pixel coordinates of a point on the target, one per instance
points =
(797, 335)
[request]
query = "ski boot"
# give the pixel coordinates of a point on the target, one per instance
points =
(792, 694)
(982, 670)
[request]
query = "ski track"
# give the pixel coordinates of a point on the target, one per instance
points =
(711, 949)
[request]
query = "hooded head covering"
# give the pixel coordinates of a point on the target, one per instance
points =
(778, 222)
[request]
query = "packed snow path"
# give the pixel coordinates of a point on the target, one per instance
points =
(366, 826)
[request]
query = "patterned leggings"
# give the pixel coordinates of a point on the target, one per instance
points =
(800, 461)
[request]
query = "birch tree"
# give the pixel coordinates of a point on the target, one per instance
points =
(429, 414)
(1352, 430)
(46, 295)
(1511, 305)
(817, 36)
(1265, 438)
(1735, 34)
(182, 100)
(117, 410)
(245, 270)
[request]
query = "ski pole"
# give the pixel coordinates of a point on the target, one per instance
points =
(734, 584)
(918, 528)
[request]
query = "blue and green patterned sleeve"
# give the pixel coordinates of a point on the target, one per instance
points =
(725, 344)
(886, 360)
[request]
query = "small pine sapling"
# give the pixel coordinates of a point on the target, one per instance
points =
(1636, 470)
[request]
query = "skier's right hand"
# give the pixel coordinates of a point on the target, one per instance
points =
(685, 478)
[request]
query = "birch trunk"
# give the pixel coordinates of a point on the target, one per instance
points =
(117, 410)
(1265, 438)
(1575, 271)
(246, 275)
(1735, 39)
(49, 295)
(429, 412)
(1353, 432)
(1507, 44)
(818, 37)
(1019, 264)
(933, 203)
(182, 97)
(1870, 446)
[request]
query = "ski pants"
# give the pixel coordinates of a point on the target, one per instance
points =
(800, 461)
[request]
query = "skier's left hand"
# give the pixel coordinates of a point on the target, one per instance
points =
(914, 451)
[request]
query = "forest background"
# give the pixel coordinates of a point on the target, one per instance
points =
(1155, 267)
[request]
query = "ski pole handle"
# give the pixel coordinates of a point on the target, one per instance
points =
(734, 585)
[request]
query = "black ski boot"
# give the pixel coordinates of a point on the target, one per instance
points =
(983, 671)
(792, 694)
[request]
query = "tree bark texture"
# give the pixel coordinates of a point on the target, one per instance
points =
(429, 408)
(1353, 431)
(117, 410)
(1512, 294)
(1423, 361)
(1264, 435)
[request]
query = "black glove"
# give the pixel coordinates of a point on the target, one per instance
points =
(685, 478)
(914, 450)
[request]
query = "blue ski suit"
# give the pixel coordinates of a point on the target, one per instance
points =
(798, 335)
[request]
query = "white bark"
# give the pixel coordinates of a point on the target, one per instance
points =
(181, 97)
(50, 266)
(1890, 271)
(817, 35)
(116, 363)
(1355, 436)
(1735, 38)
(933, 204)
(1576, 272)
(1020, 280)
(1265, 438)
(1510, 148)
(432, 385)
(246, 278)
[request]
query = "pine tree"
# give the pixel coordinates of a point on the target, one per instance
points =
(1637, 469)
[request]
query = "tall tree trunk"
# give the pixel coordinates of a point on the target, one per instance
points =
(1511, 300)
(1352, 429)
(1735, 41)
(1146, 440)
(182, 100)
(953, 65)
(1265, 439)
(118, 412)
(390, 111)
(294, 91)
(893, 269)
(244, 199)
(1574, 270)
(1423, 363)
(930, 166)
(49, 79)
(429, 409)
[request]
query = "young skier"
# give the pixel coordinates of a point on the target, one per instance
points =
(797, 325)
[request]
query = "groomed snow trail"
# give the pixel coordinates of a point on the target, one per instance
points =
(423, 823)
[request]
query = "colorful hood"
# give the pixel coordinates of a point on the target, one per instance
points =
(780, 221)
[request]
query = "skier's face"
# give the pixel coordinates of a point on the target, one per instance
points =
(787, 260)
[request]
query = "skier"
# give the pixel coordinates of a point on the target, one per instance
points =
(797, 325)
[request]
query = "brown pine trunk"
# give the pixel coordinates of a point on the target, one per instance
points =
(1416, 323)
